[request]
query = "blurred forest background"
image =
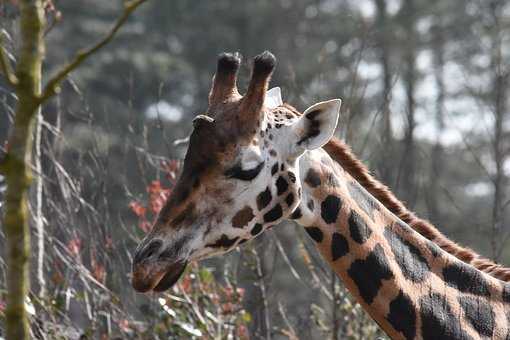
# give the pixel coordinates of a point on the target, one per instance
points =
(425, 85)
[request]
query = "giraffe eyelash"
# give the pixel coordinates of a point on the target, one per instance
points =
(237, 172)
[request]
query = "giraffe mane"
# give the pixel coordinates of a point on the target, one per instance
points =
(342, 154)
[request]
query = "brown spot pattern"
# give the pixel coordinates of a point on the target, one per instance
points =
(342, 154)
(242, 217)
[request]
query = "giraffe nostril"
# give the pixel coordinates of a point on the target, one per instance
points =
(167, 254)
(148, 251)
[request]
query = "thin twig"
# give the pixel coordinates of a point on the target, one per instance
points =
(291, 332)
(52, 85)
(263, 293)
(286, 259)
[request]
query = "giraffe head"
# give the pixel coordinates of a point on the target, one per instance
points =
(240, 174)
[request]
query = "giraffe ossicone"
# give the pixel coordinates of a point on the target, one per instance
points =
(253, 161)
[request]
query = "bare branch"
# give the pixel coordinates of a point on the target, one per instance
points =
(52, 86)
(6, 65)
(181, 141)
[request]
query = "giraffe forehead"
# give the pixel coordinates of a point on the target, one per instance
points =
(219, 143)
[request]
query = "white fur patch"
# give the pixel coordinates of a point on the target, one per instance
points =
(251, 158)
(273, 98)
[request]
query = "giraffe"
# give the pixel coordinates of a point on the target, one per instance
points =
(253, 161)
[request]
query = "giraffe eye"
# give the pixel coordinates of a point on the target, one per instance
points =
(237, 172)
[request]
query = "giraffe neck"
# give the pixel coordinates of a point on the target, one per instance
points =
(409, 286)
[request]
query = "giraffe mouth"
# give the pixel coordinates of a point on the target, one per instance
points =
(157, 277)
(171, 277)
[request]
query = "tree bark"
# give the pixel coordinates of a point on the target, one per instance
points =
(16, 167)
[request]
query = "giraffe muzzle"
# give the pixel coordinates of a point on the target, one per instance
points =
(157, 268)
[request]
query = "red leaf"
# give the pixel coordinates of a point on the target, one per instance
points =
(227, 308)
(157, 196)
(98, 270)
(242, 332)
(124, 325)
(154, 187)
(145, 226)
(108, 243)
(74, 246)
(57, 277)
(185, 284)
(137, 209)
(99, 273)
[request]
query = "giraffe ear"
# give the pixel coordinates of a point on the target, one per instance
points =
(273, 98)
(317, 124)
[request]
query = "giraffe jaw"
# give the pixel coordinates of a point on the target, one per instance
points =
(157, 277)
(171, 277)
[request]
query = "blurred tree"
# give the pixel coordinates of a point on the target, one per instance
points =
(16, 164)
(410, 44)
(383, 30)
(438, 49)
(485, 59)
(500, 79)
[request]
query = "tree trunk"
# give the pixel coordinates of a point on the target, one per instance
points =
(436, 167)
(499, 90)
(407, 171)
(16, 167)
(383, 41)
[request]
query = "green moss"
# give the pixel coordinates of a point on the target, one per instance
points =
(17, 173)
